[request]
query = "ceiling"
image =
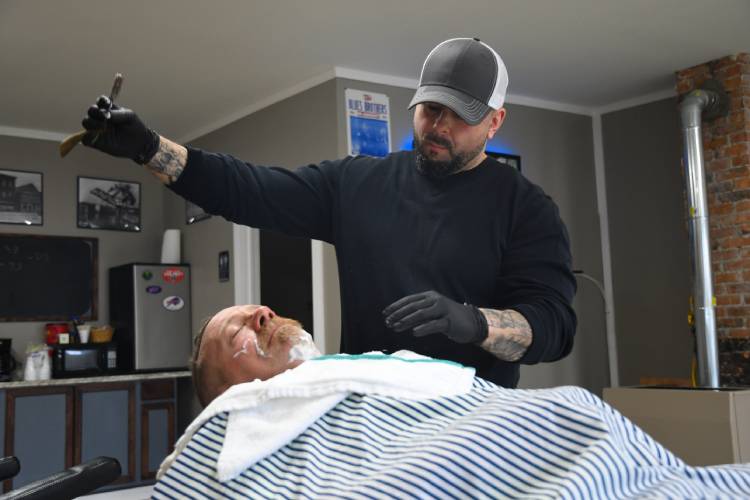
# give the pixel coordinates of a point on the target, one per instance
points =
(191, 65)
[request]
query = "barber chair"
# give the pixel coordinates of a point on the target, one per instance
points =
(70, 483)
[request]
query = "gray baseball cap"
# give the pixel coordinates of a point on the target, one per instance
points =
(466, 75)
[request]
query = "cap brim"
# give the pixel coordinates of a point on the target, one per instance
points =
(469, 109)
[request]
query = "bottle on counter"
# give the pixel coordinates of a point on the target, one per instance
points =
(75, 337)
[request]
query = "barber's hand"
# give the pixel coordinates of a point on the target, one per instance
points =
(119, 132)
(429, 312)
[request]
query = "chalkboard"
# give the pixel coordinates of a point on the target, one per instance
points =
(47, 278)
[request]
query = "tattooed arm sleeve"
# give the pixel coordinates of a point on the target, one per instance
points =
(168, 162)
(509, 334)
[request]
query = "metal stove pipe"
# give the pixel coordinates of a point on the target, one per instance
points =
(710, 101)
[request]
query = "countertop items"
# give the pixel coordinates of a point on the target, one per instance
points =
(92, 380)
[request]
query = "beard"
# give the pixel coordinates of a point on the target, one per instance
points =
(440, 169)
(301, 342)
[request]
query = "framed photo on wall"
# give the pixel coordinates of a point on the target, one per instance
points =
(21, 200)
(109, 204)
(194, 213)
(512, 160)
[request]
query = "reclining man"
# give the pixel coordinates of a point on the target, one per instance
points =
(243, 343)
(283, 421)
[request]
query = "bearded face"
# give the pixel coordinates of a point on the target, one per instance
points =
(445, 144)
(436, 166)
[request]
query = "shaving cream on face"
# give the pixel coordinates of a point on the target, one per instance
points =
(254, 338)
(243, 350)
(260, 351)
(304, 348)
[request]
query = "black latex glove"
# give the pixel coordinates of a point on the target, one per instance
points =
(119, 132)
(429, 312)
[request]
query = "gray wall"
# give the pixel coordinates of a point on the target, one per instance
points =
(648, 235)
(201, 243)
(293, 132)
(59, 198)
(556, 152)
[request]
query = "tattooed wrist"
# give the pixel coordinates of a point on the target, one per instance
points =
(509, 334)
(168, 162)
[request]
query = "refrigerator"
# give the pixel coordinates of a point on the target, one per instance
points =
(149, 308)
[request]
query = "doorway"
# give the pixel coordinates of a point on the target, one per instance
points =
(286, 277)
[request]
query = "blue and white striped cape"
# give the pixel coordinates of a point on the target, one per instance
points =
(488, 443)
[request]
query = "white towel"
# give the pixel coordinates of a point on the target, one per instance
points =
(266, 415)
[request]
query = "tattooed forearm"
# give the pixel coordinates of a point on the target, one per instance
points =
(509, 334)
(168, 162)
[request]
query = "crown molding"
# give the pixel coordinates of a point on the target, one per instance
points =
(636, 101)
(366, 76)
(258, 105)
(32, 133)
(545, 104)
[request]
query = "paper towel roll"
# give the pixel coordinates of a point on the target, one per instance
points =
(170, 247)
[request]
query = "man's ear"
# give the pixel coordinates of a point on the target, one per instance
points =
(496, 121)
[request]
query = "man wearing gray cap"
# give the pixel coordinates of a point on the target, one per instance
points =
(441, 250)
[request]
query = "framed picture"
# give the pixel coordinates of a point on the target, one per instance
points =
(21, 200)
(109, 204)
(194, 213)
(512, 160)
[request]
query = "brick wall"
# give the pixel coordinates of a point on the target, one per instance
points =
(726, 147)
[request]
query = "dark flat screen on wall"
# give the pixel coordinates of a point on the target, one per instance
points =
(47, 278)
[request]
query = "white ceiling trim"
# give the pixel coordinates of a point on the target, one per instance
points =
(366, 76)
(257, 106)
(31, 133)
(551, 105)
(636, 101)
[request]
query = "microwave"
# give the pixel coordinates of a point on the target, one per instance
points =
(80, 360)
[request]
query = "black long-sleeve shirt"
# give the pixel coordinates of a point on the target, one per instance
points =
(487, 237)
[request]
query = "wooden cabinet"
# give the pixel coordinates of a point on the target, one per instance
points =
(39, 431)
(52, 428)
(105, 425)
(157, 424)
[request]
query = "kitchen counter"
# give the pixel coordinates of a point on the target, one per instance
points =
(94, 380)
(51, 424)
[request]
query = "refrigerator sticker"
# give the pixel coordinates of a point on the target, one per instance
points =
(173, 275)
(147, 275)
(173, 303)
(153, 289)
